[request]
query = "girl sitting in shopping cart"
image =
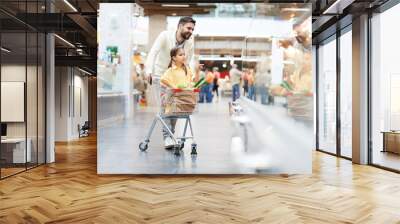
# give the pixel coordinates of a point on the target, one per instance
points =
(179, 98)
(178, 76)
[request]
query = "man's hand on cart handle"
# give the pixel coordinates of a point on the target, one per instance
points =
(149, 79)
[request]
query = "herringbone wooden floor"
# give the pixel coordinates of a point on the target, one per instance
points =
(70, 191)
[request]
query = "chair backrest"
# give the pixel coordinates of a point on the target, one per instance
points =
(86, 125)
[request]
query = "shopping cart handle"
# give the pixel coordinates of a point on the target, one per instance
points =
(176, 90)
(180, 90)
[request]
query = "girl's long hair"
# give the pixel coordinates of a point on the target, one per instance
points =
(174, 51)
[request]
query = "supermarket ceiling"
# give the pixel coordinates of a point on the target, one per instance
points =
(325, 13)
(75, 21)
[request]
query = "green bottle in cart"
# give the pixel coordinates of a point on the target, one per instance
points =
(200, 83)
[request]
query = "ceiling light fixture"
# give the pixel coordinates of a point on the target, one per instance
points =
(331, 7)
(295, 10)
(64, 40)
(338, 6)
(86, 72)
(175, 5)
(5, 49)
(70, 5)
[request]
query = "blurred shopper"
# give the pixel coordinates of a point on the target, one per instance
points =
(140, 82)
(245, 81)
(206, 90)
(235, 74)
(203, 92)
(159, 58)
(250, 80)
(215, 81)
(262, 83)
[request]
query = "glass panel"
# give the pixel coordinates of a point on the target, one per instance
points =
(32, 86)
(31, 99)
(13, 80)
(41, 99)
(385, 89)
(22, 82)
(327, 96)
(270, 69)
(346, 93)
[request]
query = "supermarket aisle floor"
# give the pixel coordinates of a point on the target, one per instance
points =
(269, 150)
(213, 136)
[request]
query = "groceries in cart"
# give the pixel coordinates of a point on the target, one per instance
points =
(180, 95)
(180, 101)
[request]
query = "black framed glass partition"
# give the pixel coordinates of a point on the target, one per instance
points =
(22, 77)
(385, 89)
(334, 94)
(13, 104)
(383, 72)
(346, 92)
(326, 102)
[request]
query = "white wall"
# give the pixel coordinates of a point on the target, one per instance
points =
(81, 94)
(33, 126)
(12, 73)
(61, 103)
(70, 83)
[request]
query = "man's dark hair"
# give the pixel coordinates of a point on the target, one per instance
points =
(186, 19)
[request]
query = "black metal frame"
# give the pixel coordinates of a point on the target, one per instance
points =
(339, 32)
(0, 87)
(338, 98)
(389, 4)
(316, 97)
(369, 82)
(44, 75)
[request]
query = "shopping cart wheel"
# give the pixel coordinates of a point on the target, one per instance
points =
(194, 149)
(177, 151)
(143, 146)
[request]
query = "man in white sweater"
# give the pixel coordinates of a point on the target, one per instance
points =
(159, 57)
(235, 75)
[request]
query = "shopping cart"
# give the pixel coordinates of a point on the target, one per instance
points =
(175, 104)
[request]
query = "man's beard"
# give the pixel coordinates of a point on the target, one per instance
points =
(186, 36)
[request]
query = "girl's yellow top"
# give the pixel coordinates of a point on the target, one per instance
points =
(175, 76)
